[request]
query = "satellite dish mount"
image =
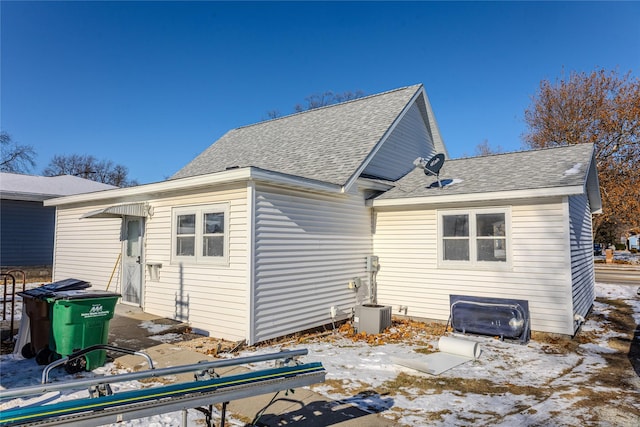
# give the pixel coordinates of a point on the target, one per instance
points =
(432, 166)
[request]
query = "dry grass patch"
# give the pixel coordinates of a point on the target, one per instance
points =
(402, 330)
(338, 386)
(427, 349)
(407, 384)
(209, 346)
(428, 418)
(555, 343)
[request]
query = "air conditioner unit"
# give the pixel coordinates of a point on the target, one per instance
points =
(372, 318)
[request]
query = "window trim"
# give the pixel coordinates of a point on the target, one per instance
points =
(199, 211)
(474, 263)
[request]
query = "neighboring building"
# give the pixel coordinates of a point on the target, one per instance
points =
(634, 242)
(268, 231)
(26, 226)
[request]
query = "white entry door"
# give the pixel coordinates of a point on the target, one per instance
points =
(132, 256)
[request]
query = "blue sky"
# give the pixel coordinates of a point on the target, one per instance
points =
(152, 84)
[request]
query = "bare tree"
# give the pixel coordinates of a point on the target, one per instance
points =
(273, 114)
(484, 149)
(602, 108)
(15, 157)
(318, 100)
(88, 167)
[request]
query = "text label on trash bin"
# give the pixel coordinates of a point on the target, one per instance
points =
(96, 311)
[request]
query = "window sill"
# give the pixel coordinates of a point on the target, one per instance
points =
(475, 266)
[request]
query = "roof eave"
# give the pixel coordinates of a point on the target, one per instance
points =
(292, 181)
(375, 184)
(194, 182)
(479, 197)
(26, 197)
(434, 128)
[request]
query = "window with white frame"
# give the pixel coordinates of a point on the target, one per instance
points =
(474, 237)
(200, 234)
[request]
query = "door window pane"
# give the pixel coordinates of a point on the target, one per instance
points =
(133, 238)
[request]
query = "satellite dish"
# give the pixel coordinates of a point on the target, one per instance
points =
(431, 166)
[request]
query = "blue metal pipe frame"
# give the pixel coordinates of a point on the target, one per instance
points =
(141, 403)
(154, 373)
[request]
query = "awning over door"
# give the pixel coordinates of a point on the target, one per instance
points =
(118, 211)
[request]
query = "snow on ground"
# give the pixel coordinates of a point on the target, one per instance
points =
(509, 384)
(506, 372)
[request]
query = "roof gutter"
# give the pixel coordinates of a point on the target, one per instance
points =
(26, 197)
(194, 182)
(263, 175)
(478, 197)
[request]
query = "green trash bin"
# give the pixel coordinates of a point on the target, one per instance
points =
(80, 319)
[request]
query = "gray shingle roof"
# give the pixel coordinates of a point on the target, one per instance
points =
(326, 144)
(525, 170)
(16, 186)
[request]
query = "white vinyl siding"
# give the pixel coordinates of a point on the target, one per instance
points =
(87, 249)
(211, 298)
(409, 140)
(405, 240)
(582, 272)
(307, 249)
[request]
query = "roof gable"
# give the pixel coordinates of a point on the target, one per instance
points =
(329, 144)
(554, 168)
(410, 138)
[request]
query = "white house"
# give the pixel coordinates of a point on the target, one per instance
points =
(268, 230)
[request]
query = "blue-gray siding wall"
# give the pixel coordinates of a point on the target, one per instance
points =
(26, 233)
(409, 140)
(582, 270)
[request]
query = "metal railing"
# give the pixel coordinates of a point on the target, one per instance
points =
(9, 298)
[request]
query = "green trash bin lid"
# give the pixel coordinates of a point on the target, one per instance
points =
(49, 290)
